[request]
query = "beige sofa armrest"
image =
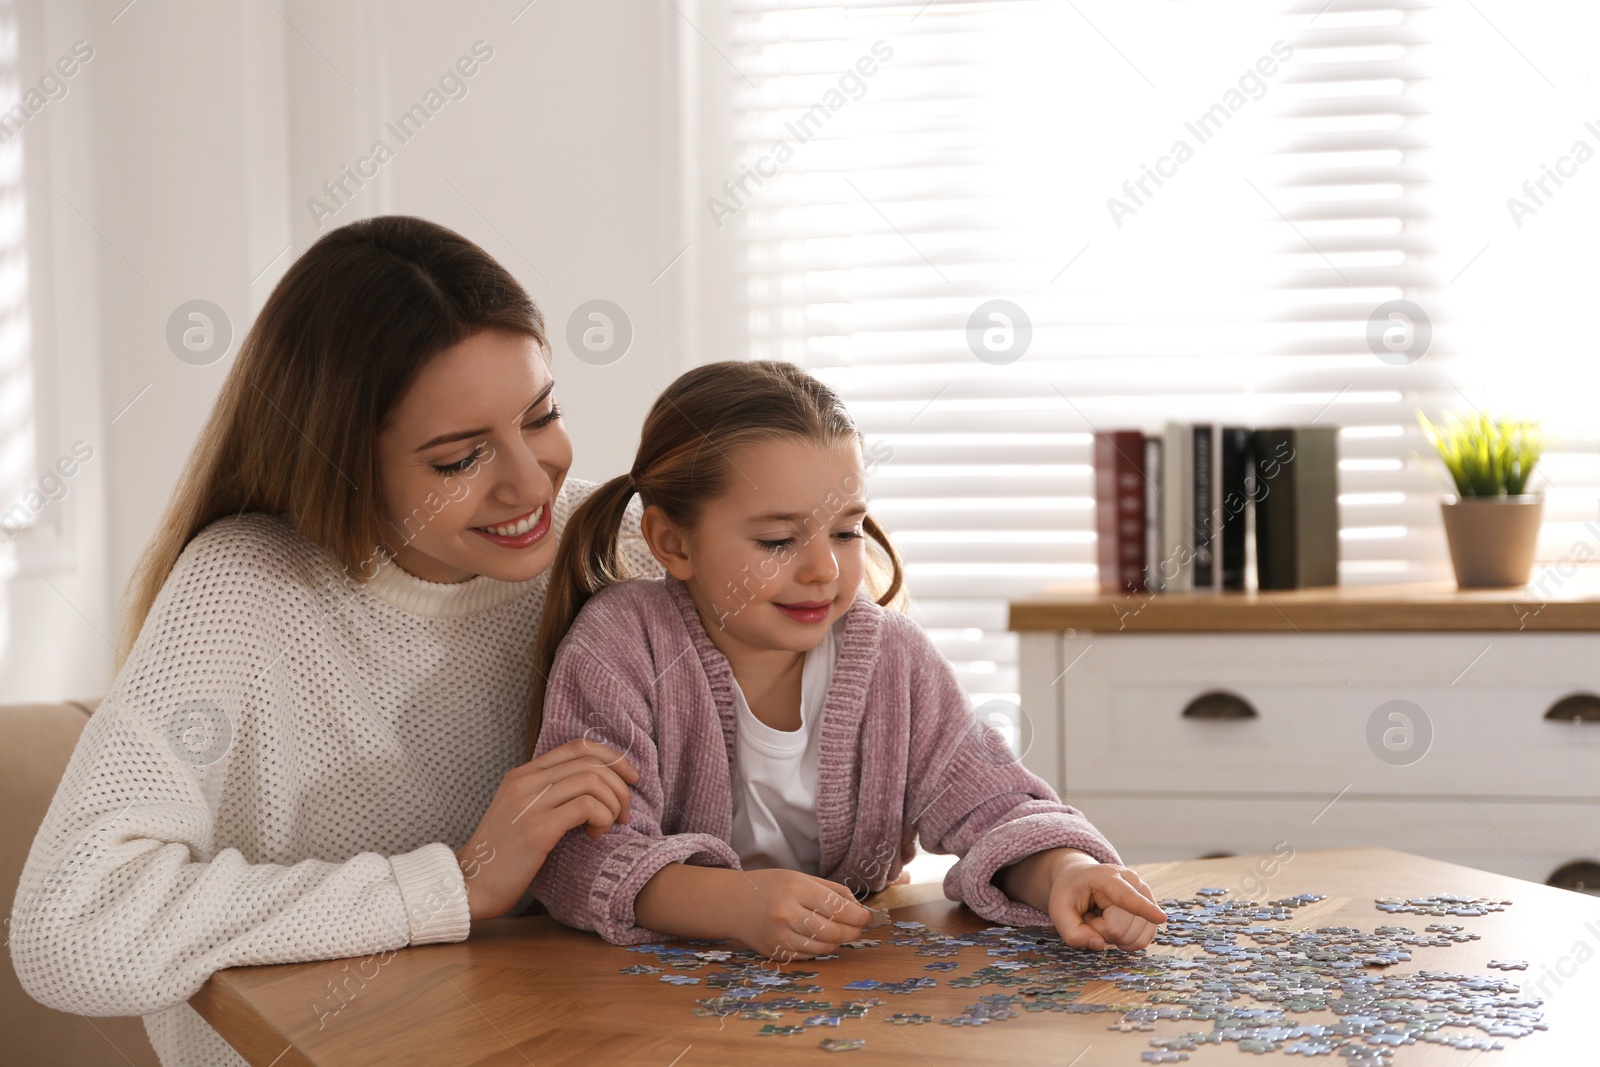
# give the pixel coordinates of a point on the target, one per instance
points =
(36, 740)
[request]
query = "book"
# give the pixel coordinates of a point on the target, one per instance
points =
(1233, 498)
(1175, 564)
(1119, 497)
(1205, 506)
(1152, 514)
(1297, 507)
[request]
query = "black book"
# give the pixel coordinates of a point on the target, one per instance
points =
(1235, 494)
(1205, 517)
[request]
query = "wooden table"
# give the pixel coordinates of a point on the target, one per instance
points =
(529, 991)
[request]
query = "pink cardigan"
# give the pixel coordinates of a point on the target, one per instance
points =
(901, 754)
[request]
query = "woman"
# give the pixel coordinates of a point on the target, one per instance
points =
(312, 748)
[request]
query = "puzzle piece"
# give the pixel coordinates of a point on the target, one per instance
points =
(840, 1044)
(680, 979)
(865, 1002)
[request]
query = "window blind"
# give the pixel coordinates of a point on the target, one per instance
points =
(1030, 152)
(18, 432)
(1355, 296)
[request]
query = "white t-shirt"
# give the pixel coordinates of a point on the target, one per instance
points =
(775, 773)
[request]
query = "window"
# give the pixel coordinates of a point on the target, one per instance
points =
(36, 514)
(1202, 214)
(18, 442)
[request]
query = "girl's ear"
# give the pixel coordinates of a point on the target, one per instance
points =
(668, 544)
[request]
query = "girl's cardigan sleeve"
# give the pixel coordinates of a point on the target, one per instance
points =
(969, 795)
(126, 906)
(607, 686)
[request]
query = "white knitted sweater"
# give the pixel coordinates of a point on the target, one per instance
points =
(281, 771)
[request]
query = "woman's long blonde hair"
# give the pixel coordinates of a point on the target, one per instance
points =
(681, 464)
(334, 349)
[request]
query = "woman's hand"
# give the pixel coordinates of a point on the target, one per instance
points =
(581, 783)
(788, 915)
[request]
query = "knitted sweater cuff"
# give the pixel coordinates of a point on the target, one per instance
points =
(434, 894)
(627, 869)
(971, 881)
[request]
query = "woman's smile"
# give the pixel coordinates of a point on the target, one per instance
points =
(521, 532)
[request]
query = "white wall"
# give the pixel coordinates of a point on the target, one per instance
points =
(191, 144)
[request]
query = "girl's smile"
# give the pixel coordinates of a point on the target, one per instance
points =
(809, 612)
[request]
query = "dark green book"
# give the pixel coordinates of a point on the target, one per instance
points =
(1297, 507)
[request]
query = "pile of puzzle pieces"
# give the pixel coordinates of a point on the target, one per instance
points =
(1249, 980)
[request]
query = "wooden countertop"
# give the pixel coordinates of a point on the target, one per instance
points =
(529, 991)
(1544, 607)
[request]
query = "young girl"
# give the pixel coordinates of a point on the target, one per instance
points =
(314, 747)
(791, 735)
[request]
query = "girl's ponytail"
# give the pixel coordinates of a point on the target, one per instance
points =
(588, 560)
(887, 568)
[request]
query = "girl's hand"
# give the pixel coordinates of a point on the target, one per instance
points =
(579, 784)
(788, 915)
(1097, 904)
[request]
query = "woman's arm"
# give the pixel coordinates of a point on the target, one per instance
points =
(123, 909)
(131, 897)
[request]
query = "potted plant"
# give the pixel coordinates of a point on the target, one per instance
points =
(1492, 526)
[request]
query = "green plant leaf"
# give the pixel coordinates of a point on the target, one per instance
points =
(1485, 457)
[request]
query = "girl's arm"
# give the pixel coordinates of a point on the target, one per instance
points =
(968, 795)
(1092, 904)
(603, 689)
(639, 883)
(783, 914)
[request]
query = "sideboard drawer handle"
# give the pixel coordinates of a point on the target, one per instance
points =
(1579, 707)
(1219, 704)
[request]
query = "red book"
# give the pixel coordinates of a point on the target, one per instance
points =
(1119, 522)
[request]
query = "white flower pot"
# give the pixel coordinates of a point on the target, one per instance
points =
(1492, 538)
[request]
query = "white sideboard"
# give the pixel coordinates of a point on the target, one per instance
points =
(1457, 726)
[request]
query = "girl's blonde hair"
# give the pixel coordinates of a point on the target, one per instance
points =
(681, 464)
(336, 346)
